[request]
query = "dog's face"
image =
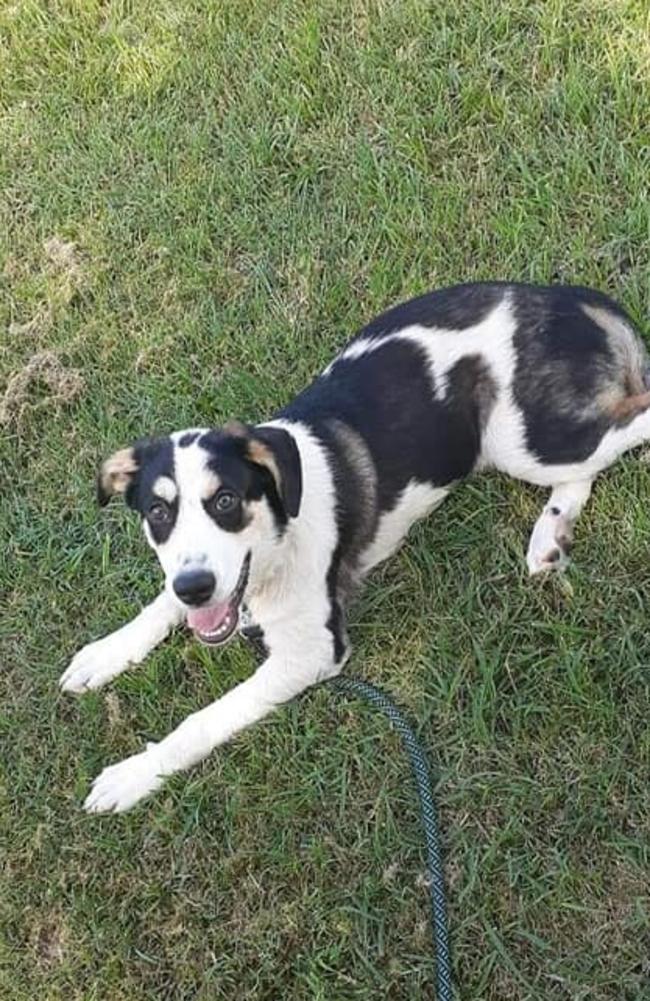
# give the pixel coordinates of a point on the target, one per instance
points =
(214, 503)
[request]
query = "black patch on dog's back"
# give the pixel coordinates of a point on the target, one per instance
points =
(563, 361)
(471, 390)
(387, 396)
(188, 439)
(455, 308)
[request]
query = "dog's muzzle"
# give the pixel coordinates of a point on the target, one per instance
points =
(215, 624)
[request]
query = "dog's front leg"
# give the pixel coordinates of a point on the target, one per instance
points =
(279, 679)
(98, 662)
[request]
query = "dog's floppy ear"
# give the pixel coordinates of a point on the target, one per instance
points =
(276, 450)
(116, 474)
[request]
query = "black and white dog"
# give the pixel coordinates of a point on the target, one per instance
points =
(271, 528)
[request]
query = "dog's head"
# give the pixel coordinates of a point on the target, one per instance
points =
(215, 504)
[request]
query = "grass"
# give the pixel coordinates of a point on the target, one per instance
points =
(198, 204)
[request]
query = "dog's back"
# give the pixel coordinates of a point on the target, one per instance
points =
(494, 373)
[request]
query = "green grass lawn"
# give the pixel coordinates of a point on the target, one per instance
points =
(199, 202)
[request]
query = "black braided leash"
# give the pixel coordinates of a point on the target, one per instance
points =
(420, 768)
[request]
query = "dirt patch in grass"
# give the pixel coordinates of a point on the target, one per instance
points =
(42, 382)
(49, 937)
(63, 277)
(64, 270)
(113, 709)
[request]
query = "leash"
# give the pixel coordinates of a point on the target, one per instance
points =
(420, 768)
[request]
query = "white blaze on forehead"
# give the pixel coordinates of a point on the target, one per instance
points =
(165, 488)
(195, 480)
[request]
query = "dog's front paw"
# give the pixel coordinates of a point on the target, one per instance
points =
(93, 666)
(121, 786)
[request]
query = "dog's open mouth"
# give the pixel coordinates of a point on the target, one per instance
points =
(215, 624)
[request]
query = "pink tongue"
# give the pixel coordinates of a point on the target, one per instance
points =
(206, 620)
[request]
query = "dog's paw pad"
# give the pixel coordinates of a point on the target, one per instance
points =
(550, 543)
(555, 559)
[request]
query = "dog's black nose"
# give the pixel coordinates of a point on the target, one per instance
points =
(195, 587)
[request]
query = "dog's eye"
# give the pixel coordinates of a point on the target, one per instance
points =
(158, 512)
(225, 501)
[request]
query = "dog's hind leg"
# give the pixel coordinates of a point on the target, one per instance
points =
(552, 535)
(98, 662)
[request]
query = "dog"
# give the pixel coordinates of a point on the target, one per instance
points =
(270, 529)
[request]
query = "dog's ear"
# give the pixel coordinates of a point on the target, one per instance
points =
(276, 450)
(116, 474)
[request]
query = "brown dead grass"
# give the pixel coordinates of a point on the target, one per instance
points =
(39, 324)
(44, 381)
(64, 277)
(62, 255)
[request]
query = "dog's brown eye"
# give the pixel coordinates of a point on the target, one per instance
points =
(158, 511)
(225, 500)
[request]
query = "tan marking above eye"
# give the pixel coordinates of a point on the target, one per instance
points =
(166, 489)
(209, 485)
